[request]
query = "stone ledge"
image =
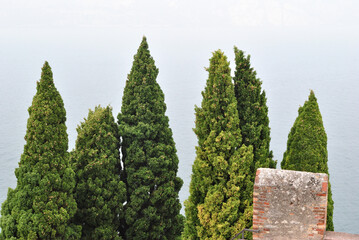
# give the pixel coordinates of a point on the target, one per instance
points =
(340, 236)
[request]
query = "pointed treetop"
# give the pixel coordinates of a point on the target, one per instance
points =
(311, 107)
(144, 41)
(46, 80)
(219, 73)
(143, 47)
(219, 59)
(219, 83)
(312, 96)
(46, 69)
(143, 64)
(240, 55)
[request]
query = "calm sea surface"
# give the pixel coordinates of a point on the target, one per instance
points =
(90, 68)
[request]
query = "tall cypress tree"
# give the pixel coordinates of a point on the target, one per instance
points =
(42, 204)
(252, 112)
(307, 147)
(99, 192)
(213, 209)
(149, 155)
(253, 118)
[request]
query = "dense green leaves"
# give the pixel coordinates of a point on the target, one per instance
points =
(307, 147)
(99, 193)
(42, 204)
(222, 164)
(149, 155)
(252, 112)
(253, 119)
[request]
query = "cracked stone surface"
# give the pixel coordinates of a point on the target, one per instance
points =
(289, 204)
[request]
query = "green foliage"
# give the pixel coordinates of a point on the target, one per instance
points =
(222, 164)
(42, 204)
(252, 112)
(99, 192)
(149, 155)
(307, 147)
(253, 119)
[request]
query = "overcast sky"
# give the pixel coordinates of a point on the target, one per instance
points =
(178, 13)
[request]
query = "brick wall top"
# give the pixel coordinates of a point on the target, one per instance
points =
(289, 204)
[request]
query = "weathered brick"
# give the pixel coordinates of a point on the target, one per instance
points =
(289, 194)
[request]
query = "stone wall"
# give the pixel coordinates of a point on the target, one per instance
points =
(289, 204)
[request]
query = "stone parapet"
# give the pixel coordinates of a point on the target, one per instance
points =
(289, 204)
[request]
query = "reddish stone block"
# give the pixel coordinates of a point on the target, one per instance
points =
(324, 186)
(321, 194)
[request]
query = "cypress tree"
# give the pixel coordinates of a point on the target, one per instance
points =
(252, 112)
(149, 155)
(307, 147)
(222, 161)
(253, 119)
(99, 192)
(42, 204)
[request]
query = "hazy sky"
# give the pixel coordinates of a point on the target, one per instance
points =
(178, 13)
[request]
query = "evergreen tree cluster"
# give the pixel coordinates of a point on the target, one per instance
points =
(233, 144)
(213, 209)
(87, 194)
(120, 181)
(232, 128)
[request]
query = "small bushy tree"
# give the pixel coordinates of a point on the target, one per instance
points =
(99, 192)
(150, 161)
(42, 204)
(307, 147)
(222, 165)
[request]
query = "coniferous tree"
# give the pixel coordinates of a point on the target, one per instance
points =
(99, 192)
(252, 111)
(307, 147)
(149, 154)
(253, 118)
(222, 162)
(42, 204)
